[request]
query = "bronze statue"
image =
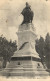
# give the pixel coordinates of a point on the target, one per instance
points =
(28, 14)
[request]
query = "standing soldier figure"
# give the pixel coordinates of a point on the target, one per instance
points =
(28, 14)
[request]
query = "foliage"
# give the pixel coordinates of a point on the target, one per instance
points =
(47, 50)
(7, 49)
(40, 48)
(43, 48)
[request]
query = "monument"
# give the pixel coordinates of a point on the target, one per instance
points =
(26, 61)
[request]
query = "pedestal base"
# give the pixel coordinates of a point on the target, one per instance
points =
(27, 67)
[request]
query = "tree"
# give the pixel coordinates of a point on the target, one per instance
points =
(47, 50)
(43, 48)
(40, 48)
(7, 49)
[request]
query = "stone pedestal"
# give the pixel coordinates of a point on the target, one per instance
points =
(26, 61)
(26, 41)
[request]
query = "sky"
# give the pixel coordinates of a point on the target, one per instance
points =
(11, 18)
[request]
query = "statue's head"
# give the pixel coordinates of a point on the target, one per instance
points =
(27, 5)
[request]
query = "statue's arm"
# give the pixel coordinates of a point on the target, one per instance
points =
(32, 15)
(23, 12)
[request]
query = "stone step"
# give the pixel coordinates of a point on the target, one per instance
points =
(16, 70)
(25, 67)
(25, 73)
